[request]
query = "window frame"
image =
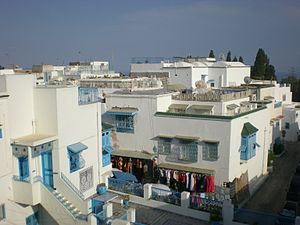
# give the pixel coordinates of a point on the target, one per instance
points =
(207, 154)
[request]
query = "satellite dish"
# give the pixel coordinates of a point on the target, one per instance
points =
(247, 80)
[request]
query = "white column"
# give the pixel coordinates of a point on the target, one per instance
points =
(227, 212)
(109, 209)
(147, 191)
(185, 199)
(131, 215)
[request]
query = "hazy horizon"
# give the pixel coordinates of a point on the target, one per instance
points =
(57, 32)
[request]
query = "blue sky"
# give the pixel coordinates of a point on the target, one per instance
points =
(43, 31)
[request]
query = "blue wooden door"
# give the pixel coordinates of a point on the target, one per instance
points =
(23, 168)
(47, 168)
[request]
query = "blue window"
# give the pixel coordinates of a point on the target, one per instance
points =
(23, 168)
(106, 159)
(287, 125)
(76, 160)
(1, 134)
(124, 118)
(248, 142)
(124, 123)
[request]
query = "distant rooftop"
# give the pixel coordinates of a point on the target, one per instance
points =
(160, 91)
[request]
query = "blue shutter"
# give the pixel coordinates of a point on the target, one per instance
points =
(23, 168)
(103, 140)
(1, 135)
(74, 161)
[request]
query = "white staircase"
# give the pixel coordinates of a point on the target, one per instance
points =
(61, 210)
(68, 205)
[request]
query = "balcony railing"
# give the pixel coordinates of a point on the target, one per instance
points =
(171, 197)
(126, 187)
(105, 159)
(88, 96)
(72, 186)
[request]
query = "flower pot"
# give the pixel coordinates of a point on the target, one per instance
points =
(101, 190)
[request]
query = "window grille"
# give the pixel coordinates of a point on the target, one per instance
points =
(210, 151)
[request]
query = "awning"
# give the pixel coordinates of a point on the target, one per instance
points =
(187, 138)
(186, 168)
(129, 111)
(133, 154)
(164, 137)
(178, 106)
(77, 147)
(124, 176)
(106, 126)
(33, 140)
(108, 149)
(248, 129)
(211, 141)
(202, 107)
(232, 106)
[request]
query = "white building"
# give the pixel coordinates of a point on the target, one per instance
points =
(215, 73)
(51, 143)
(226, 133)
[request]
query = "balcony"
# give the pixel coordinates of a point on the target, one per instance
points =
(88, 96)
(25, 192)
(105, 159)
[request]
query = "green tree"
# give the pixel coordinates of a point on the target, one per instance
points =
(295, 87)
(211, 54)
(270, 72)
(234, 59)
(262, 69)
(241, 59)
(228, 57)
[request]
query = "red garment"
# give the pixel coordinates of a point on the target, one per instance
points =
(195, 182)
(183, 177)
(210, 184)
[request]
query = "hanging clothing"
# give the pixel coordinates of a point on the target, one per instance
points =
(210, 185)
(187, 181)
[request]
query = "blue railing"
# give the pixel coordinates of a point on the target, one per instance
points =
(126, 187)
(22, 179)
(203, 204)
(105, 159)
(72, 186)
(171, 197)
(88, 96)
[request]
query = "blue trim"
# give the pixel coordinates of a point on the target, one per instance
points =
(77, 147)
(248, 147)
(23, 167)
(47, 168)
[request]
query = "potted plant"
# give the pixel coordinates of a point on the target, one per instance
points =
(101, 188)
(215, 217)
(126, 200)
